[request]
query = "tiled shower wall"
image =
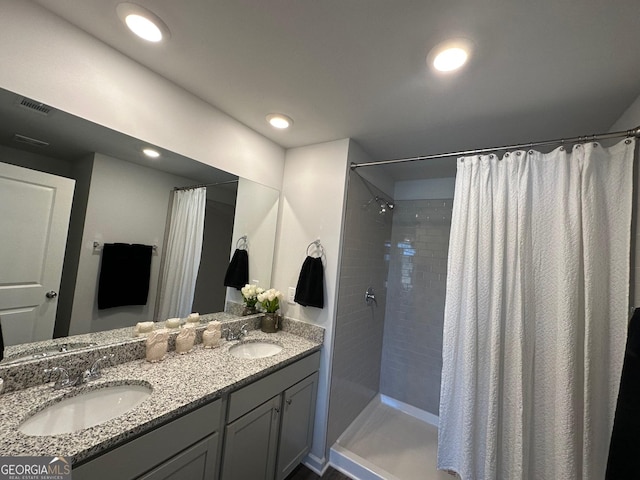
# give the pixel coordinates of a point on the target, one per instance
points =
(358, 330)
(412, 350)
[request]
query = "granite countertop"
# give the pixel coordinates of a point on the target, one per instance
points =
(28, 351)
(180, 383)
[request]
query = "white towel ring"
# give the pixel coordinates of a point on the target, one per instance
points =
(242, 243)
(319, 249)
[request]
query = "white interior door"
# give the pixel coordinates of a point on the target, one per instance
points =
(34, 220)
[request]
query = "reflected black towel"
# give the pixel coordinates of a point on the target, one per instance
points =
(624, 450)
(124, 275)
(238, 270)
(310, 288)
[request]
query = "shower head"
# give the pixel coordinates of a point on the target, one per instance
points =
(385, 205)
(382, 203)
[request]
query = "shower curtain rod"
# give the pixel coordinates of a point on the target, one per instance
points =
(192, 187)
(635, 132)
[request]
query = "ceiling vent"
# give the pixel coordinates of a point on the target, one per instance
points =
(34, 106)
(29, 141)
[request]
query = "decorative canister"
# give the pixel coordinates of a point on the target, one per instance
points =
(185, 339)
(173, 322)
(157, 344)
(211, 335)
(270, 322)
(249, 310)
(143, 328)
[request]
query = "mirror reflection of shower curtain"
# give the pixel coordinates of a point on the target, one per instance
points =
(536, 313)
(183, 251)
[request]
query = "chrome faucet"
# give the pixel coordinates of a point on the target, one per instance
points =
(237, 336)
(65, 380)
(94, 370)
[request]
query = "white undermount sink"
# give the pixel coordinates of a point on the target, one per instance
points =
(85, 410)
(253, 350)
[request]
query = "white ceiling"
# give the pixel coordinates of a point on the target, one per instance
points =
(356, 68)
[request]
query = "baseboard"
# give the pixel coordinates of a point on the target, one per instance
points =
(317, 465)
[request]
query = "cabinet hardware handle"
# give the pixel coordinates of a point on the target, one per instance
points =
(277, 409)
(289, 402)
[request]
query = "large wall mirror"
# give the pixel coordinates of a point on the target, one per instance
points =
(115, 195)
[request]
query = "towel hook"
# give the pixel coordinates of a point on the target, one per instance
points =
(318, 247)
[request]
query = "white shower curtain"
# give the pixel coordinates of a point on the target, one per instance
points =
(536, 313)
(182, 258)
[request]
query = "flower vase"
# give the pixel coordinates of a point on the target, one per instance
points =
(249, 310)
(270, 322)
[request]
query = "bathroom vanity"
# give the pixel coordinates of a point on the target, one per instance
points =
(210, 415)
(273, 419)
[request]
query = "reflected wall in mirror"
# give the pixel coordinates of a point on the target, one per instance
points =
(119, 196)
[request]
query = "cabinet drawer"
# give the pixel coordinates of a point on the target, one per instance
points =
(196, 462)
(256, 393)
(141, 454)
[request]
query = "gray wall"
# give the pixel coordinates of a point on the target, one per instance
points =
(127, 203)
(357, 347)
(82, 171)
(631, 119)
(209, 294)
(412, 351)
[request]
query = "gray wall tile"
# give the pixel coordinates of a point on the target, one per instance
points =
(412, 347)
(357, 348)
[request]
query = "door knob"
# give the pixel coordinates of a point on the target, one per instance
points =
(51, 294)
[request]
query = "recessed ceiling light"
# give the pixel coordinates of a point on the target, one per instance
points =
(150, 152)
(278, 120)
(450, 55)
(142, 22)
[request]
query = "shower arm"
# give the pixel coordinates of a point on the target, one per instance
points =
(377, 198)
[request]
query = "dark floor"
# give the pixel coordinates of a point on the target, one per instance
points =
(303, 473)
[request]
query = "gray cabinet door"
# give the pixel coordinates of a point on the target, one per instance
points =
(296, 431)
(251, 444)
(197, 462)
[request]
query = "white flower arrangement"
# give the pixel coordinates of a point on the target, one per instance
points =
(250, 294)
(270, 300)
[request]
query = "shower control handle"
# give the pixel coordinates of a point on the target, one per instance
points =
(370, 297)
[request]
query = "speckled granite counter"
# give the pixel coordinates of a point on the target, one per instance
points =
(38, 350)
(120, 343)
(180, 383)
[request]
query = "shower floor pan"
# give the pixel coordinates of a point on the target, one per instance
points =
(389, 440)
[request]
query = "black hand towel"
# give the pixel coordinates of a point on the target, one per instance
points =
(124, 275)
(238, 270)
(310, 288)
(624, 450)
